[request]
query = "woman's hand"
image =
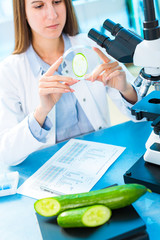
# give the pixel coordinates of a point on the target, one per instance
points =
(111, 74)
(51, 88)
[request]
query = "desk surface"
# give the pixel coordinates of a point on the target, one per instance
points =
(17, 215)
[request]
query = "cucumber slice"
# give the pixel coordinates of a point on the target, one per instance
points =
(92, 216)
(47, 207)
(96, 216)
(79, 65)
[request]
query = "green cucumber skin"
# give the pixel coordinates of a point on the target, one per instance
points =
(113, 197)
(74, 217)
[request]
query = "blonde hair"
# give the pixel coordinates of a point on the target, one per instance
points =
(22, 30)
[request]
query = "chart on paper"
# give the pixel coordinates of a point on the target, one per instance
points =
(75, 168)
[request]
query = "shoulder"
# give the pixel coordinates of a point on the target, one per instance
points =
(13, 59)
(13, 62)
(14, 65)
(13, 68)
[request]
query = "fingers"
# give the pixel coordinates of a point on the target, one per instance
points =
(101, 55)
(54, 67)
(46, 91)
(108, 73)
(58, 78)
(48, 87)
(114, 74)
(55, 84)
(101, 68)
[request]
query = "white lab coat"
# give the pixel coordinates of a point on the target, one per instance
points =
(19, 97)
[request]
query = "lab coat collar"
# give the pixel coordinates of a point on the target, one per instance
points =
(34, 64)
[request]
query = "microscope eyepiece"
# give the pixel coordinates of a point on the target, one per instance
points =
(151, 29)
(112, 27)
(149, 12)
(100, 39)
(122, 47)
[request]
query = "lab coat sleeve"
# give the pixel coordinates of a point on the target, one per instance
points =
(37, 131)
(16, 140)
(117, 98)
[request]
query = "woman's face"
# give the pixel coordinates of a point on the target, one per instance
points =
(46, 18)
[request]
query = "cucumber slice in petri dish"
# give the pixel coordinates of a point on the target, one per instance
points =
(79, 61)
(79, 65)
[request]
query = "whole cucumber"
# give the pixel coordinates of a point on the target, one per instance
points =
(112, 197)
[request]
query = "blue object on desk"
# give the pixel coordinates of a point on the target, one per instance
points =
(7, 186)
(8, 183)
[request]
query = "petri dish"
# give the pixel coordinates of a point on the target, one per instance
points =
(79, 61)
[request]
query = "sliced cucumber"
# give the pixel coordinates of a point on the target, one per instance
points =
(79, 65)
(48, 207)
(113, 197)
(91, 216)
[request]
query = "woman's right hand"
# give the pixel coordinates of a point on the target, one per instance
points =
(51, 88)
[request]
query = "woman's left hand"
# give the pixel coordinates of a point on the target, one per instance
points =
(111, 74)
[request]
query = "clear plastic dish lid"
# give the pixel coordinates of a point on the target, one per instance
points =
(79, 61)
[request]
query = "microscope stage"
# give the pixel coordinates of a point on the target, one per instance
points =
(148, 107)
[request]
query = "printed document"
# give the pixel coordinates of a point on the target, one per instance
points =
(75, 168)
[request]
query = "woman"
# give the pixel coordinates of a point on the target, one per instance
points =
(39, 106)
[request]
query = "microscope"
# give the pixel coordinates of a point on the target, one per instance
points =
(128, 47)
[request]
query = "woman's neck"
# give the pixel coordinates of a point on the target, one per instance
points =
(49, 50)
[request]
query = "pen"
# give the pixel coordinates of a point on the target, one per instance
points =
(44, 188)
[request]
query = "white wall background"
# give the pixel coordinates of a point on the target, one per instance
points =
(92, 13)
(6, 28)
